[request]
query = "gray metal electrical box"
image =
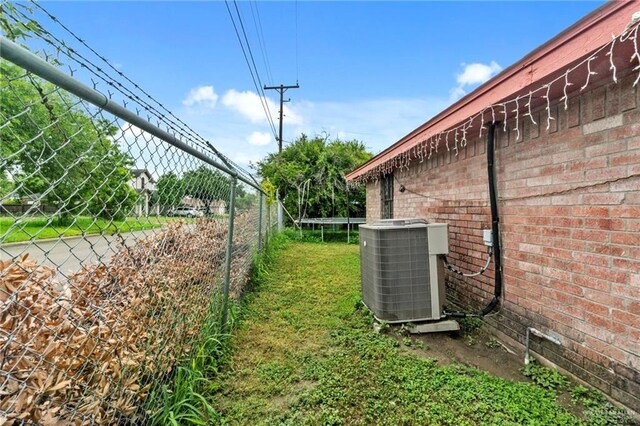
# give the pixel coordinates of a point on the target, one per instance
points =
(402, 274)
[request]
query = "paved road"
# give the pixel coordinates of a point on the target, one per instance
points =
(68, 255)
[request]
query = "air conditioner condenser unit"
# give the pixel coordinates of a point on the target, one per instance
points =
(402, 272)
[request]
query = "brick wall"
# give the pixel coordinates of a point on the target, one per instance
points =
(570, 221)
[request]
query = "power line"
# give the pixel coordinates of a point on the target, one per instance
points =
(175, 122)
(252, 70)
(297, 77)
(263, 46)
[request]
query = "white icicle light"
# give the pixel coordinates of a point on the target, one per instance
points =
(404, 159)
(589, 72)
(517, 111)
(548, 107)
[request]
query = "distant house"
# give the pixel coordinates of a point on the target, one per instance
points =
(564, 124)
(144, 184)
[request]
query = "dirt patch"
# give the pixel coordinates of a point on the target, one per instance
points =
(476, 348)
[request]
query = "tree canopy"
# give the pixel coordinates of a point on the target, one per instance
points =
(204, 184)
(53, 148)
(309, 175)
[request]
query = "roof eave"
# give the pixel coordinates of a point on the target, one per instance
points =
(596, 29)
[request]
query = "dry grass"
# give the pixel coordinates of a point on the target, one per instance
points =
(87, 349)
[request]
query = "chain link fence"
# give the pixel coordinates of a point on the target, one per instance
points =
(128, 238)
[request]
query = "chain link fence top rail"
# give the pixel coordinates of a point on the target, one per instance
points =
(119, 253)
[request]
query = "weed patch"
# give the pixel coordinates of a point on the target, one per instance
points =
(307, 353)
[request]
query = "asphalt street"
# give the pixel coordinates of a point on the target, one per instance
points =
(69, 254)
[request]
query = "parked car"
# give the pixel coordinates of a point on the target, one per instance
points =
(186, 212)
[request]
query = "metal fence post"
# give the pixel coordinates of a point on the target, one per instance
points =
(280, 213)
(260, 213)
(227, 260)
(268, 230)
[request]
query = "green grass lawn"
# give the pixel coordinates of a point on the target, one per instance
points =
(305, 353)
(43, 227)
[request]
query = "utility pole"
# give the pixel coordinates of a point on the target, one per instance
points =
(281, 89)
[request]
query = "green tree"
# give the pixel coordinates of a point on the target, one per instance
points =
(6, 186)
(59, 152)
(206, 185)
(169, 190)
(246, 198)
(309, 175)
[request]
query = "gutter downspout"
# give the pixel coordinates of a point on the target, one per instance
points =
(495, 229)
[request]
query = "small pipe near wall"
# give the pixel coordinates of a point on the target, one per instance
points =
(495, 229)
(536, 332)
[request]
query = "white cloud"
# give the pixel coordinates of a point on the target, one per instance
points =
(203, 95)
(248, 104)
(377, 122)
(260, 138)
(471, 75)
(246, 159)
(240, 129)
(477, 73)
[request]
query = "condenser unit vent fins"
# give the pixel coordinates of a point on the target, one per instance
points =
(396, 276)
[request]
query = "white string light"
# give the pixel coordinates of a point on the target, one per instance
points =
(612, 68)
(456, 142)
(504, 111)
(548, 107)
(464, 132)
(533, 121)
(430, 147)
(589, 72)
(630, 33)
(517, 129)
(565, 98)
(636, 54)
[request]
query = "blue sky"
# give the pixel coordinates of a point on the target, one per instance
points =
(368, 70)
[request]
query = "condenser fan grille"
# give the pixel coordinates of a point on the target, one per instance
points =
(396, 276)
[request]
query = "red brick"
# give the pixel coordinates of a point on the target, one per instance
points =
(590, 235)
(606, 198)
(625, 317)
(605, 224)
(609, 173)
(591, 259)
(590, 282)
(626, 158)
(627, 264)
(625, 291)
(631, 238)
(634, 308)
(588, 164)
(625, 211)
(605, 149)
(593, 307)
(566, 287)
(625, 132)
(607, 274)
(597, 320)
(590, 211)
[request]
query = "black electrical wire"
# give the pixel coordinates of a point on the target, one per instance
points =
(253, 71)
(495, 229)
